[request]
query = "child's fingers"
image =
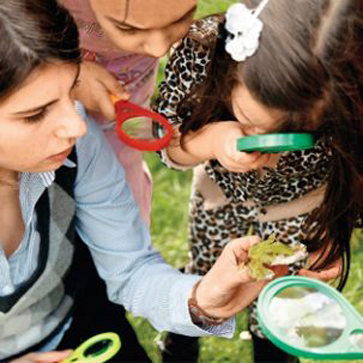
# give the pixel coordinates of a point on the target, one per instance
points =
(241, 163)
(105, 104)
(114, 87)
(324, 275)
(261, 161)
(254, 159)
(94, 71)
(247, 158)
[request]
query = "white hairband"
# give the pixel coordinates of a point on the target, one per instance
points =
(244, 30)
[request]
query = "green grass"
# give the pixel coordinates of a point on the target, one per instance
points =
(206, 7)
(169, 232)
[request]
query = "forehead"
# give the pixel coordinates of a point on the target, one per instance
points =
(144, 14)
(252, 109)
(43, 84)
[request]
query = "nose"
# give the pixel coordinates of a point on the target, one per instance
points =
(249, 130)
(71, 124)
(253, 130)
(158, 43)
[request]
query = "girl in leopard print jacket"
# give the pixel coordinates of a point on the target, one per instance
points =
(306, 76)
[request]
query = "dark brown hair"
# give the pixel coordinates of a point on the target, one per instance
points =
(310, 66)
(33, 33)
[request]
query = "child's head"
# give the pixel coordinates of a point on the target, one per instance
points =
(39, 62)
(307, 74)
(145, 27)
(299, 64)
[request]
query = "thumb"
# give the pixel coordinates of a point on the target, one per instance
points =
(106, 105)
(113, 86)
(240, 247)
(121, 92)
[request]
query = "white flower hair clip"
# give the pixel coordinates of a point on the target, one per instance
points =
(244, 30)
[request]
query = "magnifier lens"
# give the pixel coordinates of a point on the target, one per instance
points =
(143, 128)
(98, 348)
(356, 338)
(306, 317)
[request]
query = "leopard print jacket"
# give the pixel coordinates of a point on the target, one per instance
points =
(295, 174)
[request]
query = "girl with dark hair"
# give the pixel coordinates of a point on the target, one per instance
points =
(67, 216)
(271, 66)
(121, 41)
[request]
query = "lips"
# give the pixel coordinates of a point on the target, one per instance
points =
(62, 155)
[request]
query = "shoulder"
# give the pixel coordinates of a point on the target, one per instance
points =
(187, 66)
(191, 56)
(205, 31)
(200, 39)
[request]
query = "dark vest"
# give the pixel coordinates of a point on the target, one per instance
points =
(37, 310)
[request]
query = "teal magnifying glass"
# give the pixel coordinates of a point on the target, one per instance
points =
(97, 349)
(308, 318)
(276, 143)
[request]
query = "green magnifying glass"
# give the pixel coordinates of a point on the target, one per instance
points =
(276, 143)
(308, 318)
(98, 349)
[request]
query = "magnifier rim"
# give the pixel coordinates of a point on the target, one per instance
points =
(275, 287)
(275, 142)
(126, 110)
(109, 353)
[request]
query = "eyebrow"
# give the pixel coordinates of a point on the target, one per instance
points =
(124, 23)
(50, 103)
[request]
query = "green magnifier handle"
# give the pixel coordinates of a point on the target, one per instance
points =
(98, 349)
(276, 143)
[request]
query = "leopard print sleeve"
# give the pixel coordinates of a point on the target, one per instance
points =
(185, 69)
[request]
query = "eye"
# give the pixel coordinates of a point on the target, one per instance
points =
(37, 117)
(128, 31)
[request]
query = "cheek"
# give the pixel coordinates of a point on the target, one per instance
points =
(127, 43)
(16, 154)
(181, 31)
(23, 146)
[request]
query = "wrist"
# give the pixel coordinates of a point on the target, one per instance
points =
(200, 144)
(198, 314)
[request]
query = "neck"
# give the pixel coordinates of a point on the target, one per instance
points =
(8, 178)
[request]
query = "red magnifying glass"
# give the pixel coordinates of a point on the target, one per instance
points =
(140, 128)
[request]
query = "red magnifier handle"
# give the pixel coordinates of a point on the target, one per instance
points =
(125, 111)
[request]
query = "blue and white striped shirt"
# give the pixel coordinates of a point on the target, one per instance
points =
(108, 222)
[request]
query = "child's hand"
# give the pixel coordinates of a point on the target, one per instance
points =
(216, 140)
(331, 272)
(227, 288)
(224, 149)
(49, 357)
(95, 87)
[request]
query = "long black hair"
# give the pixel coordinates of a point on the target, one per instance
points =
(309, 65)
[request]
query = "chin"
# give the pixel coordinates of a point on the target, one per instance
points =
(45, 168)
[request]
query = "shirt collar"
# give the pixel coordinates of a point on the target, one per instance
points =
(48, 177)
